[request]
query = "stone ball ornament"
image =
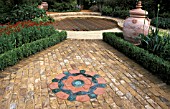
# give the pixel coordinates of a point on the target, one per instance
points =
(78, 85)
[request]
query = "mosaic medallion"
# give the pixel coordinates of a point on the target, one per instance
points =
(78, 85)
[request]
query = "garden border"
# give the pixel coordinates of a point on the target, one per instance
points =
(13, 56)
(153, 63)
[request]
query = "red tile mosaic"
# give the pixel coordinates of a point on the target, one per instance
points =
(87, 86)
(83, 98)
(60, 76)
(78, 77)
(53, 85)
(99, 91)
(69, 81)
(74, 71)
(88, 81)
(77, 89)
(72, 88)
(62, 95)
(101, 80)
(76, 85)
(90, 73)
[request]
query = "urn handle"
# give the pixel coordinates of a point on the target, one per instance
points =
(148, 20)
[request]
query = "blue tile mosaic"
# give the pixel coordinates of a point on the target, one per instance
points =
(78, 83)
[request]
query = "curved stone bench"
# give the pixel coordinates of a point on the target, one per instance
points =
(74, 14)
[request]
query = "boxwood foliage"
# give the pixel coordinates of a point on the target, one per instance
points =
(11, 57)
(162, 22)
(26, 35)
(153, 63)
(166, 53)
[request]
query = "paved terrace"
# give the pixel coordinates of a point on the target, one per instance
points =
(129, 86)
(87, 34)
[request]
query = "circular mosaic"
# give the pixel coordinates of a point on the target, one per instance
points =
(78, 85)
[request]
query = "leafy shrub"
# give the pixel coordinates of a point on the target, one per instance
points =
(165, 15)
(64, 7)
(21, 13)
(153, 42)
(162, 23)
(4, 6)
(163, 33)
(4, 18)
(107, 10)
(149, 5)
(120, 13)
(115, 12)
(11, 57)
(94, 8)
(43, 19)
(155, 64)
(25, 35)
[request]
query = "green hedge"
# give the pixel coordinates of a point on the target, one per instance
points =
(115, 12)
(164, 15)
(63, 7)
(107, 10)
(153, 63)
(21, 13)
(162, 22)
(11, 57)
(26, 35)
(120, 13)
(166, 53)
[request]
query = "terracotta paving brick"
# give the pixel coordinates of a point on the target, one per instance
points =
(78, 89)
(85, 79)
(83, 98)
(62, 95)
(78, 77)
(74, 71)
(69, 81)
(101, 80)
(90, 73)
(99, 91)
(87, 86)
(53, 85)
(129, 86)
(60, 76)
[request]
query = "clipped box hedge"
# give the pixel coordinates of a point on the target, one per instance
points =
(11, 57)
(153, 63)
(25, 35)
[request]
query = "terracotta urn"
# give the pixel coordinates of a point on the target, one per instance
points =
(40, 7)
(136, 24)
(45, 5)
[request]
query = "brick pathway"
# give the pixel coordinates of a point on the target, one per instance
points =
(129, 86)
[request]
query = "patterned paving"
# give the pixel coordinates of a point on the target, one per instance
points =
(85, 24)
(128, 85)
(78, 85)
